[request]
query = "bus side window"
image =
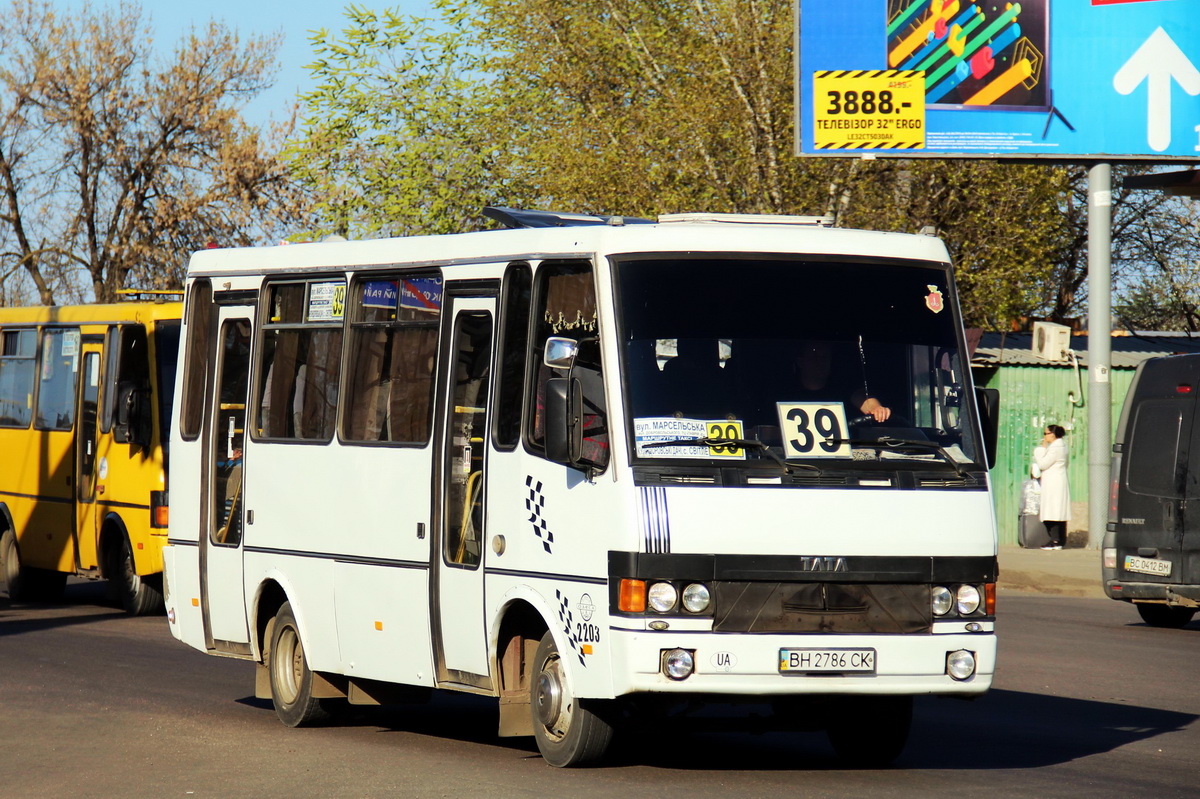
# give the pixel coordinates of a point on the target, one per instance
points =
(128, 408)
(514, 341)
(17, 351)
(56, 389)
(199, 328)
(565, 305)
(302, 352)
(393, 347)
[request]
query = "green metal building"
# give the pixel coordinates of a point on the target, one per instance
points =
(1035, 392)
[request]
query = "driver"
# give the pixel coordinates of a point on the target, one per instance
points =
(813, 365)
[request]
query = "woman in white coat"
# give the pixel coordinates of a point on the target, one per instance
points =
(1050, 461)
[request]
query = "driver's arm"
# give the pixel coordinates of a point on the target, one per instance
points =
(875, 409)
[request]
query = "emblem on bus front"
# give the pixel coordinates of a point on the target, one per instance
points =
(933, 300)
(823, 564)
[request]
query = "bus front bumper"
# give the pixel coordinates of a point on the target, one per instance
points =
(775, 665)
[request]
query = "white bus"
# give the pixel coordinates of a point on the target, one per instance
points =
(592, 467)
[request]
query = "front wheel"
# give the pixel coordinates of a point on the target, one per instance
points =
(871, 733)
(1165, 615)
(567, 732)
(291, 678)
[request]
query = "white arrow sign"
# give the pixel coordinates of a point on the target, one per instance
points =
(1158, 61)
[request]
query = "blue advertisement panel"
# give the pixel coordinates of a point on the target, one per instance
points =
(1064, 79)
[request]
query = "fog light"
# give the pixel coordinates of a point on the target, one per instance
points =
(662, 597)
(696, 598)
(961, 664)
(678, 664)
(968, 600)
(1110, 558)
(941, 599)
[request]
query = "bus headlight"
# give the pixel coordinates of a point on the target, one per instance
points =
(960, 665)
(662, 597)
(941, 599)
(678, 664)
(696, 598)
(968, 600)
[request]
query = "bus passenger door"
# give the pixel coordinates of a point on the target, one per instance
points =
(89, 467)
(460, 630)
(222, 589)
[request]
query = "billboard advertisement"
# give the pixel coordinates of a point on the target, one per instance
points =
(1063, 79)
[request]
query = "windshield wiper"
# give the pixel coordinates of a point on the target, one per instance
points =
(744, 443)
(897, 444)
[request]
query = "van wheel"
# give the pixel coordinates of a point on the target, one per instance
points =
(24, 583)
(876, 743)
(291, 679)
(567, 732)
(139, 595)
(10, 563)
(1165, 615)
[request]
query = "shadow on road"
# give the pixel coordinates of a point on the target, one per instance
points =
(1003, 730)
(84, 602)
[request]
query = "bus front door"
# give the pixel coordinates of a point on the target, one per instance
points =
(222, 589)
(460, 631)
(90, 468)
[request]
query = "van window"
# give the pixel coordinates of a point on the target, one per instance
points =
(56, 389)
(514, 340)
(565, 305)
(301, 360)
(394, 324)
(199, 314)
(1154, 447)
(17, 351)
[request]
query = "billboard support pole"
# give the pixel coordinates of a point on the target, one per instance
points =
(1099, 249)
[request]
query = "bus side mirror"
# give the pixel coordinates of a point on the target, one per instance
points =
(133, 422)
(988, 402)
(564, 420)
(560, 352)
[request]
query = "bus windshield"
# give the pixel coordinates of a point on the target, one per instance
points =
(831, 363)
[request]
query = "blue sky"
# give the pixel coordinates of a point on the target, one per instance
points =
(295, 20)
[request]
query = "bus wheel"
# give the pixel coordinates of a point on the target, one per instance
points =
(871, 733)
(291, 679)
(567, 732)
(140, 596)
(10, 562)
(23, 582)
(1165, 615)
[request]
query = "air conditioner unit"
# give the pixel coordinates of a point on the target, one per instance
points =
(1051, 341)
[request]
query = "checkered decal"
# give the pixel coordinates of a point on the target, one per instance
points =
(534, 504)
(567, 618)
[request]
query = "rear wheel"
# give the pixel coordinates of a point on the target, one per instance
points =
(291, 678)
(24, 583)
(1165, 615)
(10, 564)
(140, 595)
(871, 733)
(568, 733)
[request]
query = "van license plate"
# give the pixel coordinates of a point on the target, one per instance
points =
(826, 661)
(1159, 568)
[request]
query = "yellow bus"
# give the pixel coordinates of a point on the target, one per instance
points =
(85, 405)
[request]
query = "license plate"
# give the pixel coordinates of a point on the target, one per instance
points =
(826, 661)
(1159, 568)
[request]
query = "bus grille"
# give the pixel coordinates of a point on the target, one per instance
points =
(821, 607)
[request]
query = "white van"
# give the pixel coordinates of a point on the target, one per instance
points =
(592, 467)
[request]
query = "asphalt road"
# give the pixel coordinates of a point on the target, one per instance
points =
(1088, 703)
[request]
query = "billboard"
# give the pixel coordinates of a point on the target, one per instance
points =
(1064, 79)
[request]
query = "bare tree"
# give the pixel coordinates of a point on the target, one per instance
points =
(115, 165)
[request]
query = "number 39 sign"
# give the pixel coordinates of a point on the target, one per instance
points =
(813, 429)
